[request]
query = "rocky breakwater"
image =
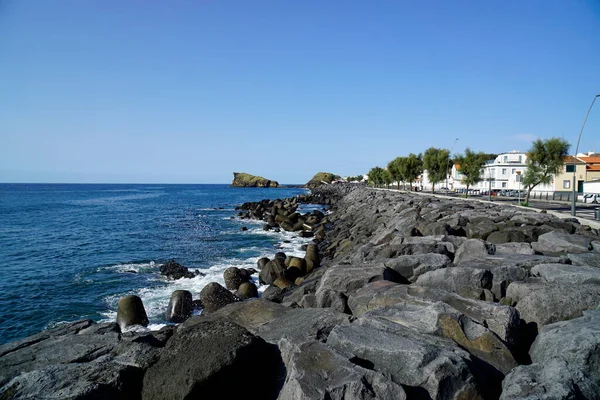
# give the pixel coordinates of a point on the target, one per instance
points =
(400, 296)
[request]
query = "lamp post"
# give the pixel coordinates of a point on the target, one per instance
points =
(448, 166)
(574, 200)
(519, 179)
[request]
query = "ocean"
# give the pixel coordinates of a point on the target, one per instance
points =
(70, 251)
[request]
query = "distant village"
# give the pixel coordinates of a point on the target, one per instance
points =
(504, 174)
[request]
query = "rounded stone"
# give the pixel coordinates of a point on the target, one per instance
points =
(247, 290)
(130, 311)
(180, 306)
(215, 296)
(262, 262)
(234, 277)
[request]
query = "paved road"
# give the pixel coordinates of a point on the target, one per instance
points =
(583, 210)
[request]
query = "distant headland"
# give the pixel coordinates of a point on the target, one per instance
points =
(242, 179)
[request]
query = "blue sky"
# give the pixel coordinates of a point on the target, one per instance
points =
(186, 91)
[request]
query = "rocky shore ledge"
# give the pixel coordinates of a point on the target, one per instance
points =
(401, 296)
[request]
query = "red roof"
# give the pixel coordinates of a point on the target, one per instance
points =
(591, 160)
(593, 167)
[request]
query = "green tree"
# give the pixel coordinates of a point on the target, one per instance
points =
(396, 169)
(545, 159)
(376, 176)
(413, 167)
(471, 166)
(387, 178)
(436, 162)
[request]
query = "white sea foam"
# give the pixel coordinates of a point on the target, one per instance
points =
(157, 299)
(130, 267)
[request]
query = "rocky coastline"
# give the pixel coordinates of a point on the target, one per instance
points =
(399, 296)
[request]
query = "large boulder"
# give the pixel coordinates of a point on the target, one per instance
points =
(173, 270)
(440, 319)
(567, 274)
(314, 371)
(204, 358)
(215, 296)
(542, 304)
(79, 360)
(413, 266)
(271, 271)
(560, 242)
(312, 258)
(180, 306)
(468, 282)
(247, 290)
(234, 277)
(130, 311)
(430, 367)
(502, 320)
(576, 341)
(474, 249)
(480, 228)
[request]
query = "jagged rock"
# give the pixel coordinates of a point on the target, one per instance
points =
(79, 360)
(514, 248)
(554, 380)
(543, 304)
(473, 249)
(589, 259)
(440, 319)
(567, 274)
(273, 322)
(502, 320)
(215, 296)
(173, 270)
(480, 228)
(467, 282)
(315, 372)
(431, 368)
(203, 358)
(559, 242)
(130, 311)
(180, 306)
(413, 266)
(576, 341)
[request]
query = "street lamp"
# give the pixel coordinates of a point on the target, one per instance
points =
(574, 200)
(448, 166)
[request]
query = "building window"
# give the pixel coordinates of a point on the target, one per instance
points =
(514, 171)
(505, 158)
(520, 159)
(566, 184)
(503, 184)
(503, 171)
(570, 168)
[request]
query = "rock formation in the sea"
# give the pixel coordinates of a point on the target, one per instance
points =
(241, 179)
(400, 296)
(174, 270)
(321, 178)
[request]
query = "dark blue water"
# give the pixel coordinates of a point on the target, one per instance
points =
(70, 251)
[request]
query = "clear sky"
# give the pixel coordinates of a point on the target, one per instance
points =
(188, 91)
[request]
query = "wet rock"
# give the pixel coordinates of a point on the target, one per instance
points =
(180, 306)
(215, 296)
(262, 262)
(234, 277)
(272, 270)
(247, 290)
(173, 270)
(312, 258)
(130, 311)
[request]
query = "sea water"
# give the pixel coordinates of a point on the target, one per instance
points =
(70, 251)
